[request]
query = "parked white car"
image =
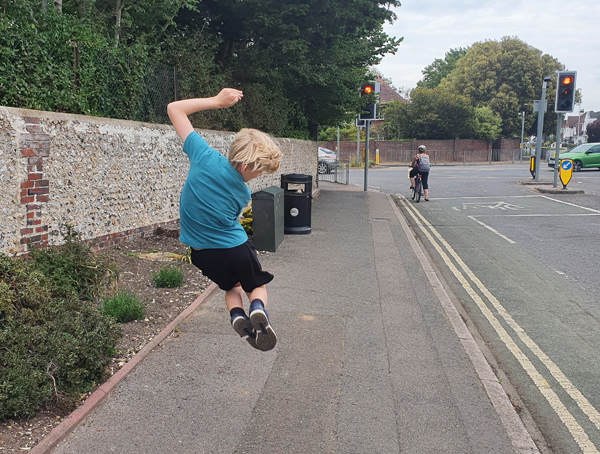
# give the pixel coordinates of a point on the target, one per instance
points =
(327, 161)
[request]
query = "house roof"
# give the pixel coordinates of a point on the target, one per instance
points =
(387, 93)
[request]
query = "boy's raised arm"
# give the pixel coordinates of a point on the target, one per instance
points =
(179, 110)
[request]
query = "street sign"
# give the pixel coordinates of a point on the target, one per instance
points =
(538, 103)
(565, 171)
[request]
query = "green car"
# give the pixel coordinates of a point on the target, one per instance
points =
(583, 156)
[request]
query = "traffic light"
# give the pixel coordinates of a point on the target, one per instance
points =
(369, 91)
(565, 91)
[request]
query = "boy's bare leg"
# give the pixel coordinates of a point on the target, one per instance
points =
(233, 297)
(239, 320)
(258, 293)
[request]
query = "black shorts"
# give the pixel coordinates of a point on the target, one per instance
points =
(227, 267)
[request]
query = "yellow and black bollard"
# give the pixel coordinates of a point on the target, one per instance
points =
(565, 171)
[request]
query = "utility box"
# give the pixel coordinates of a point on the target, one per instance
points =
(267, 219)
(297, 190)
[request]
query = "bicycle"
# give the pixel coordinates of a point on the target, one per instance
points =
(417, 190)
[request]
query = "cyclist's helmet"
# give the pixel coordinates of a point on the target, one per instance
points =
(422, 148)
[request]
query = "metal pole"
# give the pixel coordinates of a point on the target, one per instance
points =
(357, 146)
(522, 131)
(368, 123)
(578, 118)
(337, 153)
(540, 131)
(557, 152)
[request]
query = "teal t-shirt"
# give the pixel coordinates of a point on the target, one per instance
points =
(211, 200)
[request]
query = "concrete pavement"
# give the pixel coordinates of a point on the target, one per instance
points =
(372, 358)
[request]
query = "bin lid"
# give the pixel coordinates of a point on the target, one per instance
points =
(296, 178)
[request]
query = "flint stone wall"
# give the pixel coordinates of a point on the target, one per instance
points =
(112, 180)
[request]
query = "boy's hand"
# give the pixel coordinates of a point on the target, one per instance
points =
(228, 97)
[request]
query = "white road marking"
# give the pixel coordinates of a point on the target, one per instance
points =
(571, 204)
(566, 417)
(493, 230)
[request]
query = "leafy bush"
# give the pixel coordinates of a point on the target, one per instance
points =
(246, 221)
(168, 277)
(54, 345)
(123, 307)
(72, 268)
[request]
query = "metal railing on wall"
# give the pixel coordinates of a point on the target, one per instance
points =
(337, 173)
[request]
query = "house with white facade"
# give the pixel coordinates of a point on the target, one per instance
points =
(574, 126)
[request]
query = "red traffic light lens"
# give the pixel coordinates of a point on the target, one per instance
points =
(368, 90)
(568, 80)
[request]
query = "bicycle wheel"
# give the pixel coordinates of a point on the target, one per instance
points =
(418, 189)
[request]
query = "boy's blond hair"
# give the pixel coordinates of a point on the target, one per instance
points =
(256, 149)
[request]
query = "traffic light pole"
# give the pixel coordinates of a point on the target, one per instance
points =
(540, 131)
(368, 124)
(557, 152)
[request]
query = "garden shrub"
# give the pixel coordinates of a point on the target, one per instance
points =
(168, 277)
(123, 307)
(72, 268)
(246, 221)
(55, 343)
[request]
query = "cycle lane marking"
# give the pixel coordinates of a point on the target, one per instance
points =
(504, 206)
(560, 409)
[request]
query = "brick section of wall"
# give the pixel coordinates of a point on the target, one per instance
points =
(35, 190)
(440, 151)
(113, 239)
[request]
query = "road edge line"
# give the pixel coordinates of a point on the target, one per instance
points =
(520, 438)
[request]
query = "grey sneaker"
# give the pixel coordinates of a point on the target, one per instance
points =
(265, 336)
(241, 324)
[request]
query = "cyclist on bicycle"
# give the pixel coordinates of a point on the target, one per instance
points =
(420, 165)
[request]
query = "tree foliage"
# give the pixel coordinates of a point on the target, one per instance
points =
(439, 69)
(593, 131)
(299, 63)
(498, 80)
(439, 114)
(505, 75)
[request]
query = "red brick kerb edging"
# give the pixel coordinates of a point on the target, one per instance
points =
(60, 432)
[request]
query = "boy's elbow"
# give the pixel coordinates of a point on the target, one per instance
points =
(171, 110)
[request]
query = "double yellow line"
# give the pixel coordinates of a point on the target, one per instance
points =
(458, 267)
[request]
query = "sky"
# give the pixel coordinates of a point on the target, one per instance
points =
(567, 30)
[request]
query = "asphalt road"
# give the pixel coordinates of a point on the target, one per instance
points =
(524, 267)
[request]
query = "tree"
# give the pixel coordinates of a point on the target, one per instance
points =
(439, 114)
(485, 124)
(317, 51)
(504, 75)
(347, 133)
(439, 69)
(593, 131)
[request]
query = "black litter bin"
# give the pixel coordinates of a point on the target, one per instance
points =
(297, 196)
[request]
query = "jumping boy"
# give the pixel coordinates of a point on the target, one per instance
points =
(211, 201)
